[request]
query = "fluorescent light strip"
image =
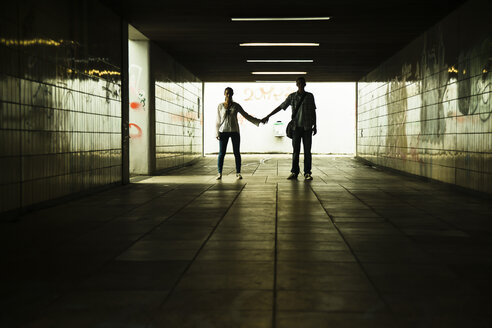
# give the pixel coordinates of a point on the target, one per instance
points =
(279, 60)
(260, 19)
(278, 44)
(278, 73)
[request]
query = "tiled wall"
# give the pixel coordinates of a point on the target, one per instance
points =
(427, 110)
(178, 115)
(60, 108)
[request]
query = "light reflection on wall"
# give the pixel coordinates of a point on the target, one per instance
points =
(60, 108)
(36, 42)
(95, 72)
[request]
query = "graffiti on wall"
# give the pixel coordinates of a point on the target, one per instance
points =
(433, 75)
(446, 90)
(272, 93)
(181, 119)
(474, 91)
(137, 96)
(135, 131)
(442, 93)
(137, 101)
(396, 99)
(444, 112)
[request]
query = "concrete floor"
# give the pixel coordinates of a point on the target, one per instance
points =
(355, 247)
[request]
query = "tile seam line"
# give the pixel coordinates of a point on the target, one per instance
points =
(256, 169)
(158, 225)
(100, 268)
(448, 266)
(359, 263)
(326, 175)
(420, 209)
(172, 290)
(57, 246)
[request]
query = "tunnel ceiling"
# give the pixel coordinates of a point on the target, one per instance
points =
(359, 36)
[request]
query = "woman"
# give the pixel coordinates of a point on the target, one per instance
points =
(228, 127)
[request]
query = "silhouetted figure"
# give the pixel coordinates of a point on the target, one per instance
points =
(228, 127)
(305, 126)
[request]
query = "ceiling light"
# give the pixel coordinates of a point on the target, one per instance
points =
(278, 73)
(279, 60)
(260, 19)
(278, 44)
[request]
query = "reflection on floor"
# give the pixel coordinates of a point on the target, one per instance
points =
(355, 247)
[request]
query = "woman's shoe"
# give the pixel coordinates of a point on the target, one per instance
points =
(239, 176)
(219, 176)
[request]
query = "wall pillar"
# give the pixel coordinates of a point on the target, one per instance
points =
(139, 92)
(125, 119)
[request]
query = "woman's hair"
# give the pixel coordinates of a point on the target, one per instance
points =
(229, 88)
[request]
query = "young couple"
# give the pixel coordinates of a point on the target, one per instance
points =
(303, 115)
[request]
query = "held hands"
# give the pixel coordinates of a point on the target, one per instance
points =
(314, 130)
(264, 120)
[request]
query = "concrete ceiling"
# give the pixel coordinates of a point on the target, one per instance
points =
(359, 36)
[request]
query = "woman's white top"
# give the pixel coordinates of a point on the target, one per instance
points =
(227, 119)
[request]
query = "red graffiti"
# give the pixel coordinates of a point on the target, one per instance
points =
(187, 117)
(135, 105)
(133, 133)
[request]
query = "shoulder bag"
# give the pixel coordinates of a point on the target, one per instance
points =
(289, 131)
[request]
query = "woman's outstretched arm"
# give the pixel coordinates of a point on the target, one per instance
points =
(250, 118)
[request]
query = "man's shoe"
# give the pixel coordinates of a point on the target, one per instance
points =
(219, 176)
(308, 176)
(239, 176)
(292, 176)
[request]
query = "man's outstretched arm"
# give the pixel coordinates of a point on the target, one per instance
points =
(275, 111)
(283, 105)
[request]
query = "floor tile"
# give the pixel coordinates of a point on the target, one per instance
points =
(355, 247)
(329, 301)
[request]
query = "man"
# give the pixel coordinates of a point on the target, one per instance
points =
(305, 126)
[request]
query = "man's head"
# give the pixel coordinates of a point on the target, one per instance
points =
(228, 91)
(300, 83)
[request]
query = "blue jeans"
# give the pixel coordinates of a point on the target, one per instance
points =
(307, 140)
(223, 140)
